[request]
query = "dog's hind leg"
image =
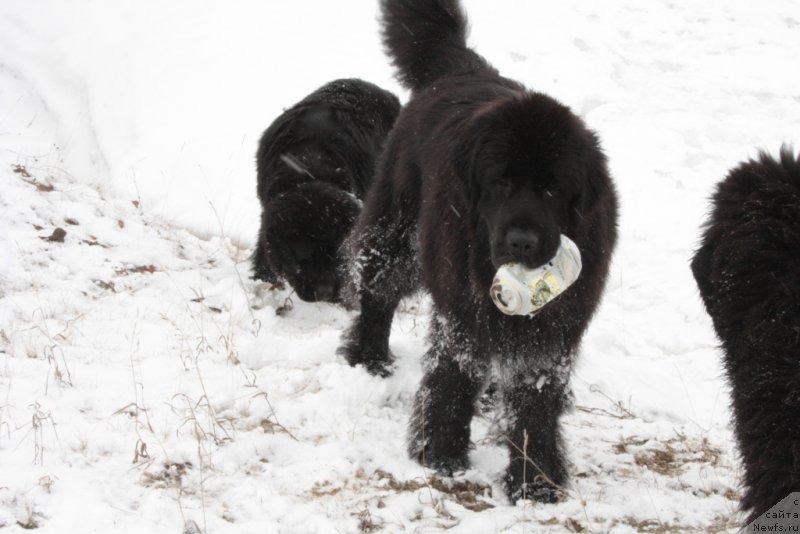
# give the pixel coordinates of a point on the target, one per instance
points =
(535, 400)
(455, 376)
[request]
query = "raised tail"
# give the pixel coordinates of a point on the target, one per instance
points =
(427, 39)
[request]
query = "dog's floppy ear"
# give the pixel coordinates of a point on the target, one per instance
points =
(468, 163)
(591, 175)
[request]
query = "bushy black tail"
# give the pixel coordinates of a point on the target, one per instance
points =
(426, 40)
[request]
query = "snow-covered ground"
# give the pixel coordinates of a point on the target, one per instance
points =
(147, 385)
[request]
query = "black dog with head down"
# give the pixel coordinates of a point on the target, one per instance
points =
(748, 272)
(478, 172)
(315, 164)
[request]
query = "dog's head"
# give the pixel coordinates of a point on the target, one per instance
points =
(304, 228)
(528, 163)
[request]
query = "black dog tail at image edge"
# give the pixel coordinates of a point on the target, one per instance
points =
(426, 40)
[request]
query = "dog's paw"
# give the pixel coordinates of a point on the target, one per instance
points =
(538, 490)
(383, 369)
(377, 363)
(445, 462)
(437, 449)
(264, 275)
(267, 294)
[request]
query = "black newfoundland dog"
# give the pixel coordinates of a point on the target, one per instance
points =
(748, 272)
(315, 164)
(478, 171)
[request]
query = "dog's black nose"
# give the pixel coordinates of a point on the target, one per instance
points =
(522, 245)
(324, 291)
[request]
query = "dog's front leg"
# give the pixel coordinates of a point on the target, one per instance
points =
(262, 270)
(384, 264)
(456, 374)
(535, 401)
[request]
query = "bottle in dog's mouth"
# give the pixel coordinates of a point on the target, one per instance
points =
(517, 290)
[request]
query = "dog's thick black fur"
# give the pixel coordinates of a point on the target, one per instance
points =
(748, 272)
(315, 163)
(477, 172)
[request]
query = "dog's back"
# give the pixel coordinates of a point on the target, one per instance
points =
(334, 134)
(748, 272)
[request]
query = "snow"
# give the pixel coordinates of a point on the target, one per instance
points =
(147, 383)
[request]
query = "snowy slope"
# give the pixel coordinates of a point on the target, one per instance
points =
(147, 383)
